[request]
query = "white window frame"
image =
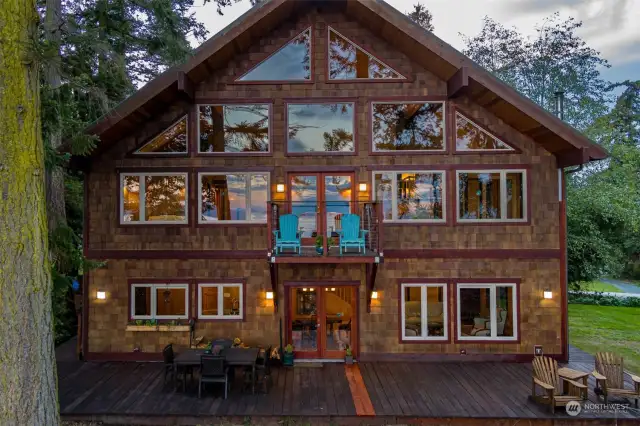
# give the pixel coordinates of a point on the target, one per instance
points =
(371, 56)
(493, 310)
(473, 123)
(184, 117)
(269, 134)
(503, 196)
(142, 203)
(154, 301)
(417, 151)
(424, 313)
(394, 195)
(220, 287)
(248, 197)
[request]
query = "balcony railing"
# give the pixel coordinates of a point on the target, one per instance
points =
(319, 225)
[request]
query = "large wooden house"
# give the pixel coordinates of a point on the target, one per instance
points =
(305, 112)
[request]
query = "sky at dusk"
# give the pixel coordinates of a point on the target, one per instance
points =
(609, 26)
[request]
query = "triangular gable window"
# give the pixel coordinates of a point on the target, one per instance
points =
(348, 61)
(471, 137)
(171, 141)
(291, 63)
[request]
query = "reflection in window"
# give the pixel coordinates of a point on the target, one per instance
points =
(234, 128)
(320, 127)
(411, 195)
(347, 61)
(159, 301)
(234, 197)
(164, 198)
(220, 301)
(424, 314)
(491, 195)
(486, 311)
(470, 137)
(408, 127)
(292, 62)
(171, 141)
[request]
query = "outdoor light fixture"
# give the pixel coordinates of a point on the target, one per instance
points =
(374, 294)
(269, 295)
(280, 188)
(362, 187)
(548, 294)
(101, 295)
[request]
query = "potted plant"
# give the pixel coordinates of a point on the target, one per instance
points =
(319, 244)
(348, 356)
(287, 359)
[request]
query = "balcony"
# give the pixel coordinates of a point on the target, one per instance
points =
(319, 226)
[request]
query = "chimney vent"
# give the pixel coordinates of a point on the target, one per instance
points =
(560, 104)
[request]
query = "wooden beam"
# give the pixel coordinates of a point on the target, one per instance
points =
(458, 84)
(573, 157)
(185, 85)
(371, 271)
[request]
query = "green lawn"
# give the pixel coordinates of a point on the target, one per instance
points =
(600, 286)
(607, 328)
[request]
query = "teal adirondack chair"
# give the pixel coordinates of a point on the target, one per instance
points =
(351, 235)
(287, 236)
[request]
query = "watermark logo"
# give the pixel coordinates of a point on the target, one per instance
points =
(573, 408)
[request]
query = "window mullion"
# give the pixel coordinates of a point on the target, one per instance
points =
(154, 302)
(494, 311)
(143, 197)
(394, 196)
(423, 310)
(220, 301)
(503, 195)
(248, 199)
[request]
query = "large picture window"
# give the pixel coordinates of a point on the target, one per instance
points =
(424, 312)
(470, 137)
(237, 128)
(220, 301)
(159, 301)
(238, 197)
(153, 198)
(411, 196)
(408, 126)
(321, 127)
(487, 311)
(492, 195)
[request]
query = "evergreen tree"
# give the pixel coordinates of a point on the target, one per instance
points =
(421, 16)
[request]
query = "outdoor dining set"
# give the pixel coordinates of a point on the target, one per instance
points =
(217, 364)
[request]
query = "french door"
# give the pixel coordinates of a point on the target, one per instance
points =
(318, 199)
(322, 320)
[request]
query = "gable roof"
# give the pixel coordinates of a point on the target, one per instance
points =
(463, 76)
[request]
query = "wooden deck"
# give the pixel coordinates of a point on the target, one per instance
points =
(135, 392)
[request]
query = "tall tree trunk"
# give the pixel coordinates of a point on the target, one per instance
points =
(55, 178)
(28, 394)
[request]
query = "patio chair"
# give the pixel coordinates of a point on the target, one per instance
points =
(351, 235)
(224, 343)
(213, 370)
(263, 371)
(287, 237)
(168, 356)
(545, 375)
(609, 374)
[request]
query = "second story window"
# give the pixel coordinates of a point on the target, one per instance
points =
(399, 126)
(234, 129)
(492, 195)
(320, 127)
(411, 196)
(233, 197)
(153, 198)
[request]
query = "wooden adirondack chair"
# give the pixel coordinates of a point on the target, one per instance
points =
(351, 235)
(545, 375)
(287, 236)
(609, 374)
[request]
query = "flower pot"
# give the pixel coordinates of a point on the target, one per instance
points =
(348, 360)
(319, 250)
(287, 359)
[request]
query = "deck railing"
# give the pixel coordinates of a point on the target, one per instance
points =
(325, 219)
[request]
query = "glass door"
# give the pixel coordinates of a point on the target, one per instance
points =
(339, 316)
(338, 197)
(305, 204)
(304, 321)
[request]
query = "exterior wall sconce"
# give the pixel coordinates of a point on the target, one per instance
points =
(374, 294)
(362, 187)
(280, 188)
(101, 295)
(269, 295)
(548, 294)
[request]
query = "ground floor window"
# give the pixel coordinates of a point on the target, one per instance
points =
(424, 311)
(159, 301)
(487, 311)
(220, 301)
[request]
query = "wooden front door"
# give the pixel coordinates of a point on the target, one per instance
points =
(318, 199)
(322, 320)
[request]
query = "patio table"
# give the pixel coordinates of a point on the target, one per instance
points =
(234, 357)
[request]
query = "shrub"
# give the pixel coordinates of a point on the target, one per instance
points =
(602, 300)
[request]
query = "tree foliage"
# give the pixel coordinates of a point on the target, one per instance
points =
(421, 16)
